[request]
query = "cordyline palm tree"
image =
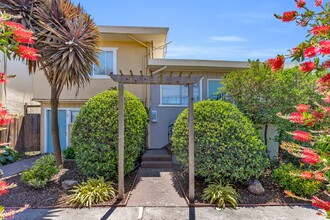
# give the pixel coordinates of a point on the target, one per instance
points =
(67, 41)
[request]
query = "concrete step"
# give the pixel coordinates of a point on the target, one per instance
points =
(156, 164)
(156, 155)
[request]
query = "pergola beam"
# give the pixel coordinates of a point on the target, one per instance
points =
(156, 79)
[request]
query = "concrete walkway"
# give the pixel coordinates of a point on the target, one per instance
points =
(18, 167)
(156, 187)
(173, 213)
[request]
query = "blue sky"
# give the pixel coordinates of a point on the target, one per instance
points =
(209, 29)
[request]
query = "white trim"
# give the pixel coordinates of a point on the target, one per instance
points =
(68, 119)
(161, 95)
(207, 86)
(115, 63)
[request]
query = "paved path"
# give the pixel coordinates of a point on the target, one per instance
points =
(18, 167)
(173, 213)
(156, 187)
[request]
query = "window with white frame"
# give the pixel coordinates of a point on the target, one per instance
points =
(178, 94)
(108, 63)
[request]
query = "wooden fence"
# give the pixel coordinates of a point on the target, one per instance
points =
(24, 133)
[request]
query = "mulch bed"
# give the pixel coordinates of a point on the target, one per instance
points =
(52, 195)
(273, 195)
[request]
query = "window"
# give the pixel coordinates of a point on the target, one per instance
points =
(213, 86)
(108, 63)
(178, 94)
(74, 114)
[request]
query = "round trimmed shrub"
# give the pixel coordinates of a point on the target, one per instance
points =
(95, 134)
(226, 144)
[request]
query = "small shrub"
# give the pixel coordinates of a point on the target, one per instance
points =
(220, 193)
(284, 175)
(8, 155)
(226, 143)
(95, 134)
(41, 172)
(69, 153)
(93, 191)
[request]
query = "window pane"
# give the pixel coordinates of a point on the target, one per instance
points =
(106, 64)
(178, 94)
(214, 85)
(74, 114)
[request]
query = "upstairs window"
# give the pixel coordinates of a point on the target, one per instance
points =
(108, 63)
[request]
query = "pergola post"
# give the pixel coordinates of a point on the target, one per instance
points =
(121, 142)
(191, 143)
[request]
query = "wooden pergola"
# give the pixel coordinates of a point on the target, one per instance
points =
(157, 77)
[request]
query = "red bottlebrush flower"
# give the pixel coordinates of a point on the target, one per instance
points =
(318, 203)
(276, 63)
(14, 25)
(310, 157)
(3, 188)
(289, 16)
(306, 175)
(294, 51)
(318, 30)
(302, 108)
(23, 36)
(304, 23)
(324, 80)
(318, 114)
(324, 47)
(307, 66)
(301, 3)
(327, 99)
(318, 3)
(326, 64)
(302, 136)
(3, 78)
(27, 52)
(319, 176)
(311, 52)
(296, 117)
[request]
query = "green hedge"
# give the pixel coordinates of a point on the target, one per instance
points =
(95, 134)
(287, 175)
(226, 143)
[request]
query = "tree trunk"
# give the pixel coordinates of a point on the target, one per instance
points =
(265, 133)
(54, 100)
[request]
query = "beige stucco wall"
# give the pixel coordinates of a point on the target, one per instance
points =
(18, 89)
(130, 56)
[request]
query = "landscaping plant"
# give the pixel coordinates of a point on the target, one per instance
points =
(288, 176)
(313, 55)
(93, 191)
(41, 172)
(220, 193)
(95, 134)
(8, 155)
(272, 92)
(69, 153)
(226, 144)
(67, 40)
(15, 40)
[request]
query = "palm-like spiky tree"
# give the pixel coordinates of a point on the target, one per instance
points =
(67, 41)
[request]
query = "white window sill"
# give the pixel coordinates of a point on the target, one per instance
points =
(100, 77)
(174, 106)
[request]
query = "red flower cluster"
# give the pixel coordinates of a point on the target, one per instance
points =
(3, 78)
(28, 52)
(302, 108)
(313, 175)
(324, 47)
(320, 30)
(318, 203)
(319, 176)
(307, 66)
(306, 175)
(310, 157)
(302, 136)
(324, 80)
(296, 117)
(326, 64)
(4, 188)
(311, 52)
(318, 3)
(301, 3)
(276, 63)
(5, 118)
(289, 16)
